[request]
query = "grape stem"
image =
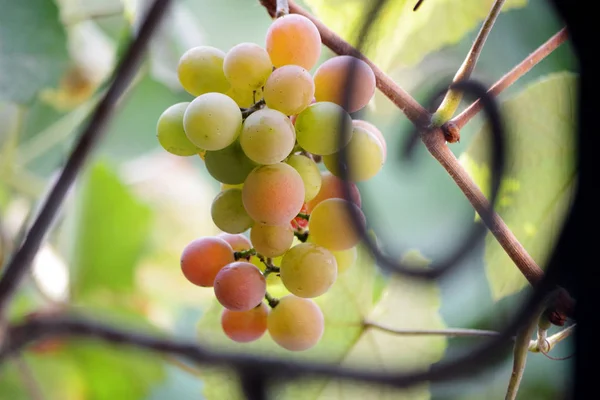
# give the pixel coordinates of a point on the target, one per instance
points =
(255, 107)
(435, 142)
(271, 301)
(302, 236)
(303, 216)
(283, 8)
(238, 255)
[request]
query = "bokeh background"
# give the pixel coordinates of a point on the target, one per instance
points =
(114, 250)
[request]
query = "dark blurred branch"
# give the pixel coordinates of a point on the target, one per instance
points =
(19, 264)
(513, 75)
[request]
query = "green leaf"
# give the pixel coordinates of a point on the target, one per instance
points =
(400, 36)
(403, 304)
(539, 180)
(33, 50)
(111, 229)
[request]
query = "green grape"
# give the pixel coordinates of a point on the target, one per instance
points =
(228, 212)
(333, 187)
(203, 258)
(273, 194)
(376, 132)
(364, 156)
(245, 97)
(309, 172)
(271, 240)
(331, 225)
(267, 136)
(212, 121)
(332, 79)
(296, 324)
(240, 286)
(293, 39)
(200, 70)
(318, 128)
(247, 66)
(170, 133)
(237, 242)
(308, 270)
(245, 326)
(229, 165)
(289, 89)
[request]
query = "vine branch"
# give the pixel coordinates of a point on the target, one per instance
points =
(453, 97)
(432, 332)
(435, 142)
(513, 75)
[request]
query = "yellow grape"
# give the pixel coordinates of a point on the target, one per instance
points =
(271, 240)
(375, 131)
(322, 126)
(309, 172)
(331, 226)
(293, 39)
(333, 187)
(200, 70)
(344, 258)
(247, 66)
(289, 89)
(170, 132)
(212, 121)
(237, 242)
(203, 258)
(308, 270)
(364, 156)
(332, 78)
(228, 213)
(273, 194)
(240, 286)
(267, 136)
(245, 326)
(296, 324)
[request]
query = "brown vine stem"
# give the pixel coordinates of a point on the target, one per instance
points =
(453, 98)
(435, 142)
(511, 77)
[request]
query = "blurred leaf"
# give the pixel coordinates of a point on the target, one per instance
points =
(540, 174)
(112, 226)
(33, 51)
(399, 35)
(404, 304)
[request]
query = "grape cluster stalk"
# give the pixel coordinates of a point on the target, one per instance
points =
(259, 119)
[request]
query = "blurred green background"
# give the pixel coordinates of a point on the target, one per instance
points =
(113, 252)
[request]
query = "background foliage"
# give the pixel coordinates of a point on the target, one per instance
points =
(119, 237)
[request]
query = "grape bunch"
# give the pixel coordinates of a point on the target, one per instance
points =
(262, 124)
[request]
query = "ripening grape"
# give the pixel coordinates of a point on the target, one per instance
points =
(229, 165)
(200, 70)
(203, 258)
(170, 133)
(247, 66)
(271, 240)
(309, 172)
(293, 39)
(308, 270)
(273, 194)
(333, 187)
(289, 89)
(267, 136)
(364, 157)
(323, 128)
(240, 286)
(332, 79)
(345, 259)
(228, 212)
(245, 97)
(296, 324)
(212, 121)
(245, 326)
(332, 227)
(237, 242)
(376, 132)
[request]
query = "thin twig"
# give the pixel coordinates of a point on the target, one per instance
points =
(18, 266)
(432, 332)
(550, 342)
(511, 77)
(176, 362)
(453, 97)
(520, 358)
(31, 384)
